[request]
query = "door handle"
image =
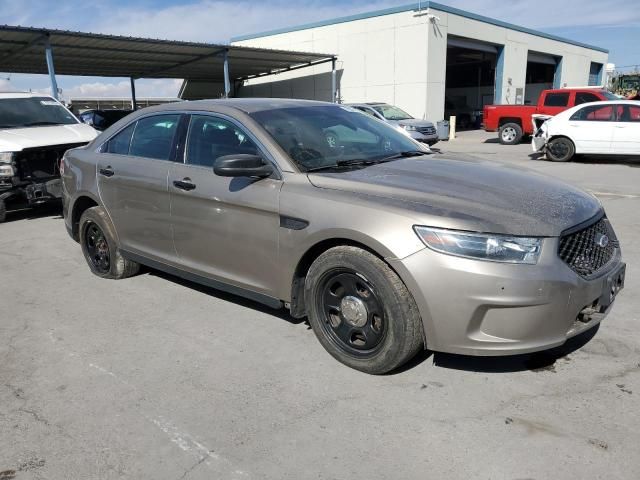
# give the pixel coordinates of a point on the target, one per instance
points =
(184, 184)
(620, 126)
(107, 172)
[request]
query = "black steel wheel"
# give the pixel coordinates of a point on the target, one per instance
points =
(560, 149)
(353, 317)
(97, 248)
(361, 311)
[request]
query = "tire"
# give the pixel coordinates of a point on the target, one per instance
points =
(560, 149)
(100, 249)
(361, 311)
(510, 134)
(3, 211)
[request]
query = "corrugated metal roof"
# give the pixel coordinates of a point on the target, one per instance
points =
(93, 54)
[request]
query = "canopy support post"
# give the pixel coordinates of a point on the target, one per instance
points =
(50, 67)
(227, 83)
(134, 103)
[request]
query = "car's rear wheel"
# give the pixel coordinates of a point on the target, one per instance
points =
(510, 134)
(361, 311)
(99, 246)
(560, 150)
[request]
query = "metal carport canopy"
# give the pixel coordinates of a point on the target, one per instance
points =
(22, 50)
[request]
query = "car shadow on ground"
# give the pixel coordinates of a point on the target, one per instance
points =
(535, 362)
(281, 313)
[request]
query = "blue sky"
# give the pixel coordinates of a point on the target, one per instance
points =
(612, 24)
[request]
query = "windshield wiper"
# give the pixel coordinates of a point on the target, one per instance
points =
(39, 124)
(405, 154)
(356, 162)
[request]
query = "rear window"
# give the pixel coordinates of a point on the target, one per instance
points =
(153, 137)
(556, 99)
(586, 97)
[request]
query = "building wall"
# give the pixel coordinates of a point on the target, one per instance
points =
(400, 58)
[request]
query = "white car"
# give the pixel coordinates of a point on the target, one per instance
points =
(35, 131)
(602, 128)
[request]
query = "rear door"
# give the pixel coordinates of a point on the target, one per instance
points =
(224, 228)
(132, 177)
(591, 128)
(555, 102)
(626, 130)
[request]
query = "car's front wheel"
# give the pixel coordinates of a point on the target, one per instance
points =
(361, 311)
(3, 210)
(560, 149)
(98, 242)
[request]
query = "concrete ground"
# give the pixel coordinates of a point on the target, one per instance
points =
(156, 378)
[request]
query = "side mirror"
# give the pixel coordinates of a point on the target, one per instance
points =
(242, 165)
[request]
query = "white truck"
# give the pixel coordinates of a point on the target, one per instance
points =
(35, 132)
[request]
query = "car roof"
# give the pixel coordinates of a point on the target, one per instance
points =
(247, 105)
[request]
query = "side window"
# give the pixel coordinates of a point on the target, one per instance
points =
(153, 137)
(119, 143)
(586, 97)
(556, 99)
(631, 113)
(367, 111)
(594, 113)
(211, 137)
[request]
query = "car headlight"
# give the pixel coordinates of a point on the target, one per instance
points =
(6, 157)
(482, 246)
(6, 165)
(409, 128)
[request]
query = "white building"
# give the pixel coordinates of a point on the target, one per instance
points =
(415, 56)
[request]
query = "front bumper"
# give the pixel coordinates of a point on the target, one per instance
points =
(486, 308)
(429, 139)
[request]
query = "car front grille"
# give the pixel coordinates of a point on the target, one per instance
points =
(589, 250)
(427, 130)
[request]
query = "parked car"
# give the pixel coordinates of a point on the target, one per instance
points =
(604, 128)
(102, 119)
(514, 121)
(35, 131)
(386, 249)
(420, 130)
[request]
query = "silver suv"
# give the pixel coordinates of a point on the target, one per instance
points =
(387, 250)
(421, 130)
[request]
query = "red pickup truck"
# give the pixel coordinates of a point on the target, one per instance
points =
(514, 121)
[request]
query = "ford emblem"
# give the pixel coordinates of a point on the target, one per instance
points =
(601, 240)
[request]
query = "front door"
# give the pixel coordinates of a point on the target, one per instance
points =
(224, 228)
(132, 183)
(626, 130)
(591, 128)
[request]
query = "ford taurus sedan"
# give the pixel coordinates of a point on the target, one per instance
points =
(386, 249)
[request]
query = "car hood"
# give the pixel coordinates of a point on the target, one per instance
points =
(16, 139)
(469, 195)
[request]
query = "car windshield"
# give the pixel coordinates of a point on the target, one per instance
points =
(391, 113)
(334, 136)
(33, 112)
